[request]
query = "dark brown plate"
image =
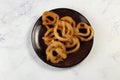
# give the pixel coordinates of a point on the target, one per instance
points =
(40, 47)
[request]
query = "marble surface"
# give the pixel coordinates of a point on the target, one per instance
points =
(18, 60)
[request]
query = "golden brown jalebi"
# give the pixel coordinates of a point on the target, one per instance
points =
(63, 31)
(60, 50)
(49, 36)
(49, 19)
(89, 37)
(84, 31)
(72, 45)
(69, 20)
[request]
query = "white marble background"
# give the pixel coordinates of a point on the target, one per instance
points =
(17, 57)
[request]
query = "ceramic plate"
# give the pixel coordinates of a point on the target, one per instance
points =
(40, 47)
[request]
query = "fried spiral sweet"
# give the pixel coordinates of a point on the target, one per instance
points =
(60, 50)
(63, 31)
(49, 19)
(48, 36)
(84, 31)
(69, 20)
(72, 45)
(89, 37)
